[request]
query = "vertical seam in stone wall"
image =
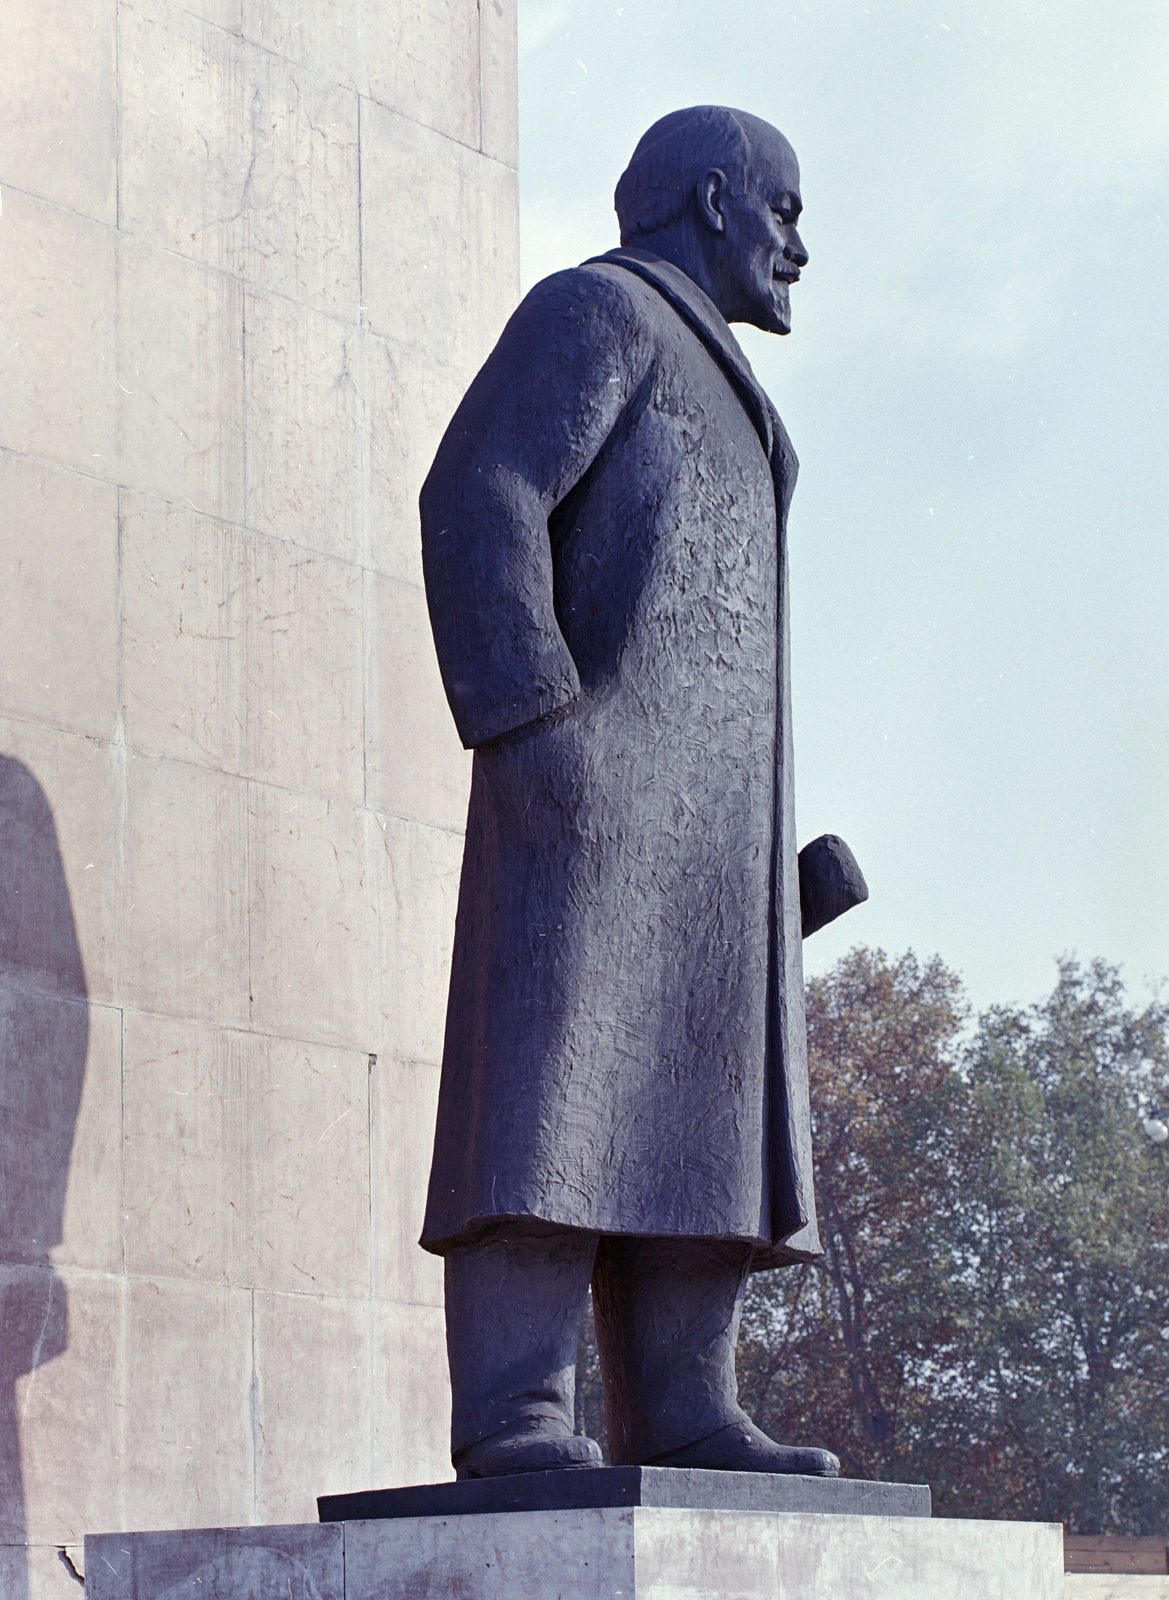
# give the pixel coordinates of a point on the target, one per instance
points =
(360, 229)
(243, 388)
(371, 1064)
(122, 1132)
(253, 1417)
(479, 97)
(118, 114)
(249, 891)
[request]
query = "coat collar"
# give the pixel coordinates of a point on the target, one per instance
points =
(700, 311)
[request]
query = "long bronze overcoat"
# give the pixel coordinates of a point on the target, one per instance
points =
(605, 567)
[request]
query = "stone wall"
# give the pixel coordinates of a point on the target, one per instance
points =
(251, 251)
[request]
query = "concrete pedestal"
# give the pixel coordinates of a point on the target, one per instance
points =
(632, 1552)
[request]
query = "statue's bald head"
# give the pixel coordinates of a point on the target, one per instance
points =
(671, 157)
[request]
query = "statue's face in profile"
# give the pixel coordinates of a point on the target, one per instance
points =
(765, 251)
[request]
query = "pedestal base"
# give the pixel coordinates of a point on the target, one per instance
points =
(626, 1553)
(597, 1488)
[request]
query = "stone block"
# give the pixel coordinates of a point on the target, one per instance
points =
(184, 931)
(272, 196)
(61, 1356)
(58, 597)
(414, 876)
(60, 1107)
(57, 137)
(305, 442)
(58, 282)
(247, 1159)
(188, 1445)
(185, 597)
(410, 398)
(38, 1572)
(313, 1419)
(499, 77)
(180, 380)
(305, 669)
(241, 652)
(311, 960)
(440, 243)
(403, 1101)
(294, 1563)
(415, 765)
(700, 1555)
(325, 35)
(422, 60)
(60, 826)
(410, 1396)
(1114, 1586)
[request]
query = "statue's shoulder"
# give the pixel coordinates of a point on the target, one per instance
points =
(596, 290)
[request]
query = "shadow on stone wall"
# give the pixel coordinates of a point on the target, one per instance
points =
(44, 1030)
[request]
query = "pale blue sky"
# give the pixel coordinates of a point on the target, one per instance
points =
(978, 388)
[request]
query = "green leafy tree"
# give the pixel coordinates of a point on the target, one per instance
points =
(992, 1312)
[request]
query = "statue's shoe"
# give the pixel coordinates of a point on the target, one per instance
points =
(495, 1458)
(742, 1447)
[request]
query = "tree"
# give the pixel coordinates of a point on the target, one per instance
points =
(991, 1315)
(992, 1312)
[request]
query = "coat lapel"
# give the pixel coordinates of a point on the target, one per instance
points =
(704, 317)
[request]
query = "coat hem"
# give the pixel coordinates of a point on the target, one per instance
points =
(768, 1253)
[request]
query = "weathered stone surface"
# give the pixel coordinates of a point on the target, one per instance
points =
(184, 633)
(273, 199)
(205, 448)
(424, 62)
(410, 1395)
(58, 130)
(305, 426)
(440, 246)
(701, 1555)
(304, 665)
(414, 764)
(60, 1366)
(241, 652)
(58, 283)
(403, 1098)
(184, 933)
(499, 56)
(58, 596)
(410, 397)
(313, 1368)
(60, 812)
(180, 381)
(322, 34)
(188, 1447)
(1114, 1586)
(311, 976)
(414, 878)
(662, 1487)
(292, 1563)
(247, 1159)
(60, 1107)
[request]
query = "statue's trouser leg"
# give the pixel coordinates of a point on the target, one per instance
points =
(667, 1314)
(514, 1304)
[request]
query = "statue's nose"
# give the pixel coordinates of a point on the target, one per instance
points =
(794, 249)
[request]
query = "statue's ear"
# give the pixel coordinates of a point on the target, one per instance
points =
(831, 883)
(709, 191)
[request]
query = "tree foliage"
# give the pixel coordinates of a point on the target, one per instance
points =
(992, 1312)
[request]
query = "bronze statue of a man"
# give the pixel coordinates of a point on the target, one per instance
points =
(624, 1088)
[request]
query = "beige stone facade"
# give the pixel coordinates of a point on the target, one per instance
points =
(251, 252)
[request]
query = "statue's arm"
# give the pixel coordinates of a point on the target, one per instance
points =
(527, 430)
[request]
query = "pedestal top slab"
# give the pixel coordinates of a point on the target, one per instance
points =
(681, 1488)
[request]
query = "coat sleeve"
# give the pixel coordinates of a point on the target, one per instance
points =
(527, 430)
